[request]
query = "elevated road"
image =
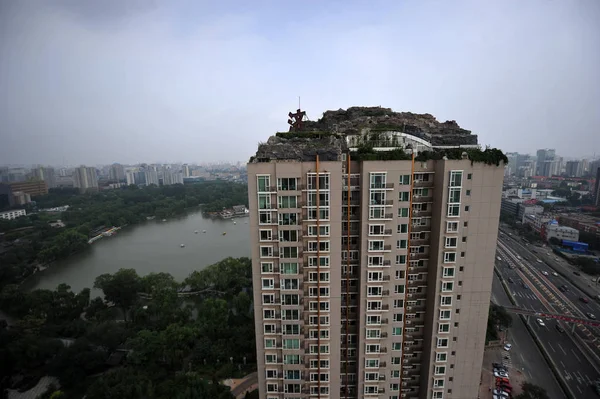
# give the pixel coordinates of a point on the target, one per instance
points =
(531, 290)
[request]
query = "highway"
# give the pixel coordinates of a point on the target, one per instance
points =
(531, 289)
(525, 354)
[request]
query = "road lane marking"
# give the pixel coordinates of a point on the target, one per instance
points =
(578, 359)
(562, 364)
(588, 379)
(579, 389)
(561, 348)
(551, 347)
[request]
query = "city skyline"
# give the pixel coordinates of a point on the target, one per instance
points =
(184, 81)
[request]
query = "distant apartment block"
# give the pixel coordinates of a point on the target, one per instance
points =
(31, 187)
(46, 174)
(372, 274)
(13, 214)
(85, 178)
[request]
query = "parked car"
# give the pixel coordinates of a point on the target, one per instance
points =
(541, 322)
(538, 261)
(501, 394)
(577, 273)
(545, 273)
(591, 316)
(583, 299)
(507, 347)
(510, 280)
(555, 274)
(500, 374)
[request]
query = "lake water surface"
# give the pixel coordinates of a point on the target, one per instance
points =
(154, 246)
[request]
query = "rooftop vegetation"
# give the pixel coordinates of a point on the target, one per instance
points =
(489, 156)
(305, 135)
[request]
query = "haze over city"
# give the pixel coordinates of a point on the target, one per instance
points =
(182, 81)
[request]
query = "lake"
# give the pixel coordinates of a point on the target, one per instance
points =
(151, 247)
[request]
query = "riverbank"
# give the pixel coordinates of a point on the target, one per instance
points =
(150, 247)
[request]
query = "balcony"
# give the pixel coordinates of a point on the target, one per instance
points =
(387, 262)
(386, 277)
(419, 255)
(417, 199)
(419, 229)
(384, 334)
(420, 213)
(384, 321)
(385, 292)
(416, 295)
(422, 183)
(381, 186)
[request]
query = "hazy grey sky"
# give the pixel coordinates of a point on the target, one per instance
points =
(131, 81)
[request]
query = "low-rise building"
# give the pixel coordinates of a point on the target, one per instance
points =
(536, 222)
(553, 230)
(12, 214)
(581, 222)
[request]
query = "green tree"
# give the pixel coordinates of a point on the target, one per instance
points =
(120, 288)
(531, 391)
(121, 383)
(108, 334)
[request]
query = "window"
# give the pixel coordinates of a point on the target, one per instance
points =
(438, 383)
(396, 360)
(264, 201)
(371, 389)
(451, 242)
(269, 343)
(441, 356)
(268, 314)
(371, 363)
(373, 333)
(371, 376)
(446, 300)
(265, 235)
(264, 217)
(455, 178)
(290, 314)
(403, 228)
(287, 219)
(404, 179)
(271, 374)
(399, 289)
(404, 196)
(374, 320)
(376, 229)
(397, 317)
(438, 395)
(269, 328)
(314, 246)
(376, 245)
(375, 276)
(268, 299)
(454, 195)
(458, 297)
(322, 230)
(266, 267)
(374, 291)
(401, 244)
(445, 314)
(266, 252)
(290, 299)
(322, 199)
(396, 346)
(270, 359)
(466, 224)
(453, 210)
(444, 328)
(288, 252)
(449, 257)
(377, 180)
(375, 260)
(289, 268)
(399, 274)
(402, 212)
(291, 359)
(394, 387)
(263, 183)
(287, 184)
(469, 176)
(467, 208)
(461, 268)
(291, 344)
(468, 193)
(462, 254)
(464, 239)
(447, 286)
(442, 342)
(448, 272)
(398, 303)
(451, 227)
(288, 201)
(397, 331)
(268, 283)
(372, 348)
(289, 284)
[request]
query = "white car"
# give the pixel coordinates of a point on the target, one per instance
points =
(555, 274)
(545, 273)
(497, 257)
(507, 347)
(500, 374)
(541, 323)
(500, 394)
(539, 261)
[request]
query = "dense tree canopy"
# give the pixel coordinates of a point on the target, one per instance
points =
(172, 346)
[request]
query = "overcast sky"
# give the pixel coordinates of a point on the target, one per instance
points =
(128, 81)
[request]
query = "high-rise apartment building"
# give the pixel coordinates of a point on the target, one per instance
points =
(46, 174)
(85, 178)
(116, 172)
(372, 266)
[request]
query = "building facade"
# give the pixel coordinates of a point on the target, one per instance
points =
(372, 279)
(553, 230)
(85, 178)
(12, 214)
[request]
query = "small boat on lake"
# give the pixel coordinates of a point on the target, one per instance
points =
(195, 231)
(204, 231)
(182, 245)
(224, 233)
